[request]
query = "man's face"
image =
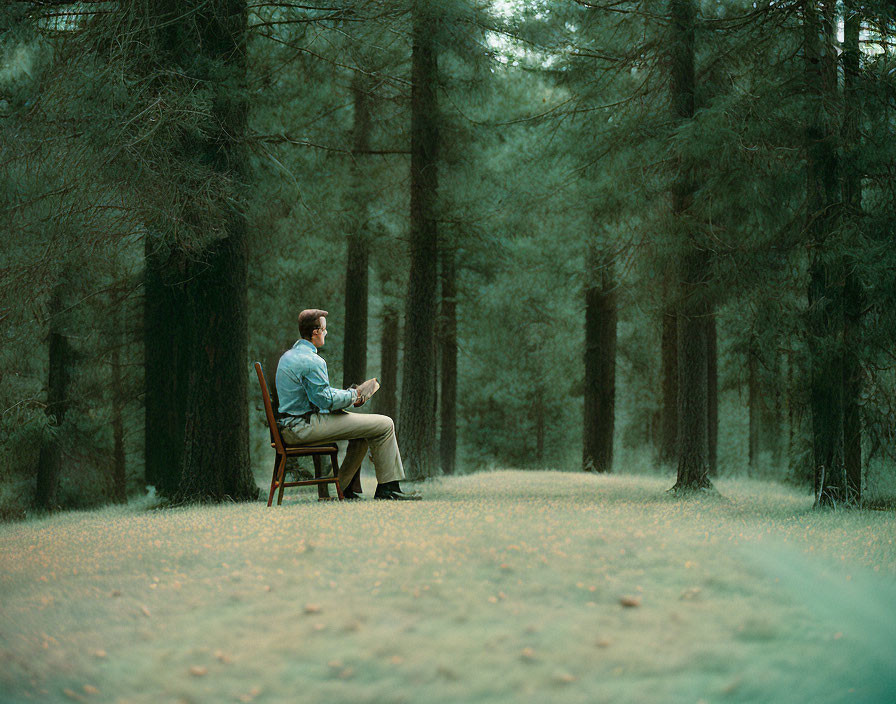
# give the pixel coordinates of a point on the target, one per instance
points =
(319, 335)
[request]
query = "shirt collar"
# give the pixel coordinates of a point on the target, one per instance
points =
(306, 344)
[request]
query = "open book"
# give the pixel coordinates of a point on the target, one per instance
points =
(368, 389)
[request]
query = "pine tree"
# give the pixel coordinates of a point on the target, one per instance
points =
(208, 285)
(824, 297)
(854, 298)
(668, 451)
(354, 356)
(448, 360)
(600, 363)
(50, 461)
(417, 421)
(694, 312)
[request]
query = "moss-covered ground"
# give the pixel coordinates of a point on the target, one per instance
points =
(498, 587)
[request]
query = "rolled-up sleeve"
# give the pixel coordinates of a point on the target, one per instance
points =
(316, 383)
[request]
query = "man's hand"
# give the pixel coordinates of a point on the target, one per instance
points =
(359, 400)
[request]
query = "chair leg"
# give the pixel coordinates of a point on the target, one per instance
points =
(274, 478)
(281, 479)
(322, 491)
(335, 465)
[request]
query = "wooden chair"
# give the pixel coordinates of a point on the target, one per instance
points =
(283, 451)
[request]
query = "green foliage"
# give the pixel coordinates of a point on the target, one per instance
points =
(556, 137)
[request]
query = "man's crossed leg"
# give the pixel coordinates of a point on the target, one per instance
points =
(363, 431)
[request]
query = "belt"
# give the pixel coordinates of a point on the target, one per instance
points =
(289, 420)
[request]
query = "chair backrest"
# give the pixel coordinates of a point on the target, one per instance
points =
(269, 409)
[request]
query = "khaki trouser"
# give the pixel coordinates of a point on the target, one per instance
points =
(363, 431)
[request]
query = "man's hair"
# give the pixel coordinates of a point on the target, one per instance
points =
(309, 321)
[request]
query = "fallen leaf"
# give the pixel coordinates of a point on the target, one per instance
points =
(630, 601)
(198, 670)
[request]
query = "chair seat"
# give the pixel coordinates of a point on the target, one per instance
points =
(307, 449)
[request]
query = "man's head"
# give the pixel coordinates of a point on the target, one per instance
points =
(313, 326)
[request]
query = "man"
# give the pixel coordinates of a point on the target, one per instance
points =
(314, 414)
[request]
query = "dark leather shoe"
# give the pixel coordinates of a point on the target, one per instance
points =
(349, 495)
(395, 487)
(396, 496)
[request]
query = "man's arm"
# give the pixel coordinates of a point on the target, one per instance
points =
(316, 383)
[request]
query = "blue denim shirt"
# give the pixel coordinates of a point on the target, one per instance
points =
(303, 384)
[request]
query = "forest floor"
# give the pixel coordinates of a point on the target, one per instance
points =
(499, 587)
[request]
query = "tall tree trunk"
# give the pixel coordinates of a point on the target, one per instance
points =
(448, 339)
(753, 405)
(790, 400)
(852, 181)
(669, 362)
(712, 395)
(354, 357)
(852, 293)
(386, 399)
(539, 416)
(216, 433)
(799, 442)
(119, 473)
(417, 423)
(773, 420)
(436, 376)
(825, 300)
(207, 40)
(49, 463)
(693, 371)
(826, 392)
(852, 389)
(600, 363)
(165, 374)
(694, 309)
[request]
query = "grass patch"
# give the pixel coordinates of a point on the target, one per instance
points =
(501, 586)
